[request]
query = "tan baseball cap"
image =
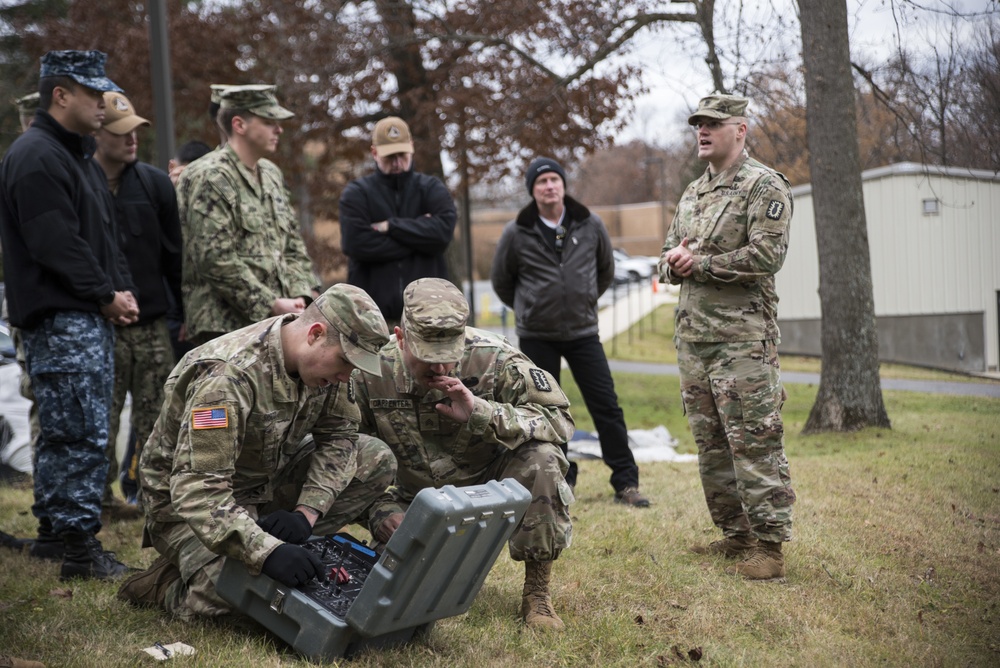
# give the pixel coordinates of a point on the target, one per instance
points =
(434, 317)
(119, 114)
(391, 136)
(362, 329)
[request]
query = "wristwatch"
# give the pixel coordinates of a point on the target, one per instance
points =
(107, 299)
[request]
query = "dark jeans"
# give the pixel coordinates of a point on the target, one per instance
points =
(590, 370)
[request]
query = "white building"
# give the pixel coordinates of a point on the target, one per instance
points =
(934, 236)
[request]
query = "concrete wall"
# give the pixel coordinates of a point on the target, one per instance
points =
(943, 341)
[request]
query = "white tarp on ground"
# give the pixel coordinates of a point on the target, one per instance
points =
(15, 446)
(648, 445)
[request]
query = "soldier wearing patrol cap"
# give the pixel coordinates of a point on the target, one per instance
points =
(461, 406)
(67, 286)
(728, 238)
(26, 107)
(256, 449)
(244, 259)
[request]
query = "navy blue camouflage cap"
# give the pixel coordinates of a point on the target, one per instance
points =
(719, 107)
(84, 67)
(354, 314)
(434, 317)
(258, 99)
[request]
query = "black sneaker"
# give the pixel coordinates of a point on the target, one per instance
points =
(630, 496)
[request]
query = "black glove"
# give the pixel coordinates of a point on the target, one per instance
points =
(293, 565)
(290, 526)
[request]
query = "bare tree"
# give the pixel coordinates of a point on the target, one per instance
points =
(850, 392)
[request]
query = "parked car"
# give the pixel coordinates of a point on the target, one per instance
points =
(636, 267)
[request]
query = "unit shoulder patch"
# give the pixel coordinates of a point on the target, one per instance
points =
(775, 209)
(540, 379)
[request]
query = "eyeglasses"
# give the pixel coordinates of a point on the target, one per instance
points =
(712, 125)
(560, 236)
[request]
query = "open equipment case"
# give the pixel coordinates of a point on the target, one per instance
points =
(432, 567)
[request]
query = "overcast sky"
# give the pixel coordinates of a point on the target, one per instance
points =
(677, 79)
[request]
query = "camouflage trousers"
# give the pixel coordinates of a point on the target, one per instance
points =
(546, 528)
(733, 396)
(24, 388)
(144, 358)
(70, 358)
(194, 593)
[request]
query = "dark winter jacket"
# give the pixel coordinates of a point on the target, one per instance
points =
(421, 217)
(57, 226)
(150, 237)
(554, 295)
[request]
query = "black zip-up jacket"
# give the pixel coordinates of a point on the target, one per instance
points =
(57, 226)
(554, 295)
(150, 236)
(421, 217)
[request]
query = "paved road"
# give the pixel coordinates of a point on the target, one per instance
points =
(930, 386)
(634, 304)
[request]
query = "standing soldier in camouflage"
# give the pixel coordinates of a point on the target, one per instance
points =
(460, 406)
(150, 236)
(26, 107)
(67, 286)
(244, 259)
(727, 241)
(228, 470)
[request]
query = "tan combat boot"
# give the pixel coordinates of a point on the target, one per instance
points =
(730, 546)
(764, 562)
(536, 603)
(115, 509)
(148, 589)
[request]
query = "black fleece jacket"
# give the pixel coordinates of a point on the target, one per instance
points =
(57, 226)
(150, 237)
(422, 219)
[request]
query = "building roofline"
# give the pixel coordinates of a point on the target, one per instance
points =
(911, 168)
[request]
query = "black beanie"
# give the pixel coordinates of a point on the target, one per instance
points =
(538, 167)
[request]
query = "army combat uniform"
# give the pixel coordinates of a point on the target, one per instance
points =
(230, 446)
(726, 335)
(520, 418)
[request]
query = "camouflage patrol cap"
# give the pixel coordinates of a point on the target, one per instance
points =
(27, 105)
(84, 67)
(258, 99)
(391, 136)
(360, 324)
(217, 89)
(719, 107)
(434, 317)
(119, 114)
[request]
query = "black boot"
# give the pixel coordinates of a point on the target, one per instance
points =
(47, 545)
(86, 558)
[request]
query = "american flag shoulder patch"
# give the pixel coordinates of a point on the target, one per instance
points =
(213, 417)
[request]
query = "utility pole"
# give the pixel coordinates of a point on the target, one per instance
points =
(163, 97)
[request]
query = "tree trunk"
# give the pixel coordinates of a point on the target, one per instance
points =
(850, 392)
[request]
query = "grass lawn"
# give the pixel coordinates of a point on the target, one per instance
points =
(896, 562)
